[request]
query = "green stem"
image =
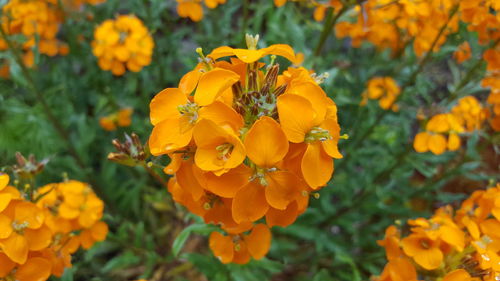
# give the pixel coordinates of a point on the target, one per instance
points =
(328, 25)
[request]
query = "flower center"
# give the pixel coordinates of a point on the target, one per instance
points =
(317, 134)
(224, 150)
(190, 110)
(19, 226)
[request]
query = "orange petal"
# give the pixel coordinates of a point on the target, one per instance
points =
(453, 236)
(5, 226)
(282, 50)
(38, 239)
(16, 248)
(457, 275)
(282, 188)
(258, 241)
(6, 265)
(437, 144)
(282, 218)
(168, 136)
(222, 246)
(314, 94)
(429, 259)
(420, 144)
(35, 269)
(189, 81)
(249, 203)
(4, 180)
(295, 126)
(228, 184)
(249, 56)
(99, 231)
(5, 199)
(331, 145)
(164, 105)
(212, 84)
(317, 166)
(222, 115)
(187, 180)
(265, 142)
(241, 254)
(29, 213)
(453, 142)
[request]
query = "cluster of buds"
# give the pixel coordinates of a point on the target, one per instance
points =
(39, 234)
(465, 117)
(461, 245)
(383, 89)
(130, 153)
(245, 143)
(28, 168)
(121, 44)
(194, 10)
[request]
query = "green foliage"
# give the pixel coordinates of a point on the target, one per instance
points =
(375, 184)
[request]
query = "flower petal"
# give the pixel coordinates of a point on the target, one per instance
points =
(282, 188)
(212, 84)
(284, 217)
(295, 126)
(420, 143)
(35, 269)
(258, 241)
(168, 136)
(266, 143)
(249, 203)
(222, 247)
(317, 166)
(164, 105)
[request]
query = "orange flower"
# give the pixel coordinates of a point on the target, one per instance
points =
(463, 52)
(174, 115)
(317, 126)
(122, 118)
(385, 89)
(227, 129)
(218, 150)
(239, 248)
(124, 43)
(23, 230)
(252, 54)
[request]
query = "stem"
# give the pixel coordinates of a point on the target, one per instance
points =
(245, 21)
(50, 115)
(327, 27)
(153, 174)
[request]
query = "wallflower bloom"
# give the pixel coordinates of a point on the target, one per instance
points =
(38, 21)
(37, 239)
(384, 89)
(121, 44)
(239, 151)
(463, 52)
(193, 9)
(122, 118)
(462, 244)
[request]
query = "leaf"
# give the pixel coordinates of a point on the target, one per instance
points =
(181, 239)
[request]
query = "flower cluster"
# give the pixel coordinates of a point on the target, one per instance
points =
(450, 246)
(38, 236)
(239, 151)
(123, 43)
(122, 118)
(463, 52)
(38, 21)
(193, 9)
(319, 7)
(393, 24)
(467, 116)
(385, 89)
